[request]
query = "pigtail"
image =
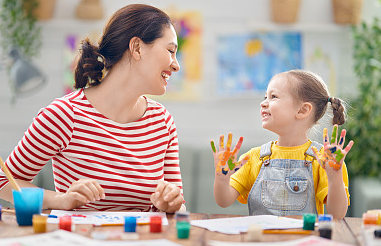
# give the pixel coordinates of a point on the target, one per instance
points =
(89, 70)
(338, 111)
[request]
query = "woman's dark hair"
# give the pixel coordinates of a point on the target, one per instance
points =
(309, 87)
(134, 20)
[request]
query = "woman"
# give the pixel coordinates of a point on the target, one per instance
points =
(112, 148)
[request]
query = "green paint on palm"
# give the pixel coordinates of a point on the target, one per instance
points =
(339, 155)
(334, 135)
(231, 164)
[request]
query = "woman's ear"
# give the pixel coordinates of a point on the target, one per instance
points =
(135, 47)
(304, 111)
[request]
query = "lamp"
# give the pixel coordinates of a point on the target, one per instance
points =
(25, 77)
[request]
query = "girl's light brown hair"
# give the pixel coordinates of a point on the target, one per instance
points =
(309, 87)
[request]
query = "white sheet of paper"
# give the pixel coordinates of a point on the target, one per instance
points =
(237, 225)
(101, 218)
(305, 241)
(65, 238)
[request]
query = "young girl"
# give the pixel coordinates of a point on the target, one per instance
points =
(285, 177)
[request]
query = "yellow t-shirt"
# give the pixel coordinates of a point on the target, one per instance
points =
(244, 178)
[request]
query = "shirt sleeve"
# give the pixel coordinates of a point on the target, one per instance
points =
(244, 178)
(49, 133)
(171, 160)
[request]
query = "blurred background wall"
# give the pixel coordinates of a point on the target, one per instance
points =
(199, 119)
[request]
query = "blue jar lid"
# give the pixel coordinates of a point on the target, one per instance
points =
(325, 217)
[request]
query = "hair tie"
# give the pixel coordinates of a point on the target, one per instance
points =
(329, 99)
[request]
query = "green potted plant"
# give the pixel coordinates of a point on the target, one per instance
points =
(20, 41)
(365, 114)
(364, 124)
(19, 27)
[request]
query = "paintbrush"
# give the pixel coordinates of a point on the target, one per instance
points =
(13, 182)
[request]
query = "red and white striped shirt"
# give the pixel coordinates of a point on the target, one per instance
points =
(128, 160)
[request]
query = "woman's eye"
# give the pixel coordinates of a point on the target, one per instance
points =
(171, 51)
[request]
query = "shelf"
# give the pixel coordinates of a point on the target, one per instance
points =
(302, 27)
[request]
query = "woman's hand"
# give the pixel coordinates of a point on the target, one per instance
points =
(167, 197)
(334, 154)
(81, 192)
(225, 160)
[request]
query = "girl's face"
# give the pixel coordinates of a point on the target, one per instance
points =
(278, 110)
(159, 61)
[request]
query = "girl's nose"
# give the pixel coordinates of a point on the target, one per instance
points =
(264, 103)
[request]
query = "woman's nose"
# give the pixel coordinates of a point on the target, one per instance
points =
(175, 65)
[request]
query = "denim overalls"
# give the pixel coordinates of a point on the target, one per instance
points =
(283, 187)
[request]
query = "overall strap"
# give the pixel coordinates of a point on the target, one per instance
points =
(265, 150)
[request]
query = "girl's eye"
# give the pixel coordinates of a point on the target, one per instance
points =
(265, 98)
(273, 96)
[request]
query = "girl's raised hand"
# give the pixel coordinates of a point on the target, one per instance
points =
(225, 160)
(333, 154)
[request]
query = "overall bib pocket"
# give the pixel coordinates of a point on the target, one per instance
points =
(288, 195)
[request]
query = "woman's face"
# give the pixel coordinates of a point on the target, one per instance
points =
(159, 61)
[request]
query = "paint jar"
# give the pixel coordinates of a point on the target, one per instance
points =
(27, 202)
(254, 233)
(39, 223)
(182, 224)
(182, 217)
(376, 211)
(155, 223)
(370, 218)
(309, 221)
(325, 226)
(377, 233)
(65, 223)
(129, 224)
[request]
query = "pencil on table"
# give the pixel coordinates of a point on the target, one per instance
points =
(286, 232)
(10, 178)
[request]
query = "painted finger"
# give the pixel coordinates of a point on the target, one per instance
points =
(230, 139)
(213, 146)
(242, 162)
(222, 142)
(342, 138)
(238, 146)
(319, 156)
(349, 146)
(334, 135)
(325, 137)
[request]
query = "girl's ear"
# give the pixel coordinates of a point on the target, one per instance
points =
(305, 110)
(135, 47)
